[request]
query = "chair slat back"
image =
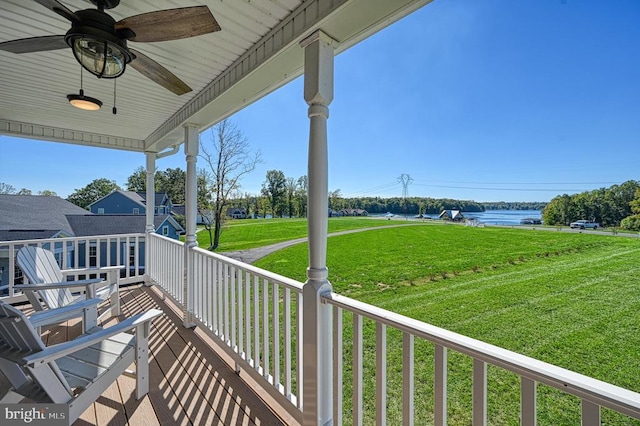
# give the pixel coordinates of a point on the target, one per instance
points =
(17, 333)
(40, 267)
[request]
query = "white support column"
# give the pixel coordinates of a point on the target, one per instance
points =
(191, 146)
(317, 322)
(150, 227)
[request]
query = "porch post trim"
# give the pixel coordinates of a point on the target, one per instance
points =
(191, 146)
(317, 325)
(150, 212)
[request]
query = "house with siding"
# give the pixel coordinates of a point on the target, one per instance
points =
(130, 202)
(31, 217)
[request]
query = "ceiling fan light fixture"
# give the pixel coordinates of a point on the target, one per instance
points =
(101, 58)
(84, 102)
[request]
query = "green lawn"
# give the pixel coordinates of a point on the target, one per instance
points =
(568, 299)
(249, 233)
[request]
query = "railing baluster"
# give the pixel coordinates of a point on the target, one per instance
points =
(256, 323)
(225, 303)
(440, 385)
(220, 286)
(479, 393)
(357, 370)
(287, 342)
(407, 379)
(247, 315)
(265, 328)
(232, 302)
(381, 374)
(590, 413)
(275, 329)
(299, 357)
(528, 405)
(239, 295)
(338, 350)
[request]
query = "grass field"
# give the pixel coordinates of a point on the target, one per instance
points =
(568, 299)
(250, 233)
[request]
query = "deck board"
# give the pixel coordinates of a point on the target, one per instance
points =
(189, 383)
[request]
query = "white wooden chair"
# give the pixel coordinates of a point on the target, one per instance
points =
(77, 372)
(49, 289)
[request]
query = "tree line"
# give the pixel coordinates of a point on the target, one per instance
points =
(615, 206)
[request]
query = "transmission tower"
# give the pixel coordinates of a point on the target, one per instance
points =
(405, 180)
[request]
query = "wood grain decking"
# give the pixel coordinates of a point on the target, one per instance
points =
(190, 384)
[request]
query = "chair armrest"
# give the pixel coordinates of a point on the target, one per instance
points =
(63, 349)
(100, 270)
(53, 286)
(54, 316)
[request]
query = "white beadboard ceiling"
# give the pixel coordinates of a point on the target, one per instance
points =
(256, 52)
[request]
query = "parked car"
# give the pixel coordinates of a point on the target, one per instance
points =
(584, 224)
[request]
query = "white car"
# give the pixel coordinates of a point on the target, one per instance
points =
(584, 224)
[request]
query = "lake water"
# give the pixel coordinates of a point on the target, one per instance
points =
(499, 217)
(503, 217)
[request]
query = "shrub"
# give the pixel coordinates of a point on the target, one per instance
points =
(631, 223)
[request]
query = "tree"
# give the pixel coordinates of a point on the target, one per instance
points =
(97, 189)
(24, 191)
(228, 157)
(290, 186)
(47, 193)
(301, 196)
(5, 188)
(172, 181)
(138, 180)
(274, 188)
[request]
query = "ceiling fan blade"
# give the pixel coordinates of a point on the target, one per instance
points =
(156, 72)
(59, 8)
(34, 44)
(170, 24)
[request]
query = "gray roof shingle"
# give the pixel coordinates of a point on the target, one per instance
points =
(34, 216)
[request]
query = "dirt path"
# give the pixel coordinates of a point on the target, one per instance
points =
(251, 255)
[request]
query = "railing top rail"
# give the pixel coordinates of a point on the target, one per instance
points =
(166, 239)
(284, 281)
(602, 393)
(63, 239)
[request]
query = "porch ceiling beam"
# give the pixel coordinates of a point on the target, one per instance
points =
(57, 134)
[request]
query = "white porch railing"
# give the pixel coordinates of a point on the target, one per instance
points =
(77, 252)
(256, 316)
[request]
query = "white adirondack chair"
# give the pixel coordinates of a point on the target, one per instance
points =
(77, 372)
(53, 291)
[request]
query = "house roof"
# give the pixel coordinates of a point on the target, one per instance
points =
(112, 224)
(35, 216)
(256, 52)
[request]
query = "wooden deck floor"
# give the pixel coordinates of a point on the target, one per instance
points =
(190, 384)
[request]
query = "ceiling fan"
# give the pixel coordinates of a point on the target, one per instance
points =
(99, 43)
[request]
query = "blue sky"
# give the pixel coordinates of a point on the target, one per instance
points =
(486, 100)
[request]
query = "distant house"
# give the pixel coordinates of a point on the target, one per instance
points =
(202, 217)
(237, 213)
(354, 212)
(30, 217)
(113, 224)
(451, 215)
(129, 202)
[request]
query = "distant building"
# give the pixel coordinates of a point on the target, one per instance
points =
(354, 212)
(129, 202)
(451, 215)
(237, 213)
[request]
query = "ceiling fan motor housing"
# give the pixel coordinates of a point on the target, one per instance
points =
(96, 44)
